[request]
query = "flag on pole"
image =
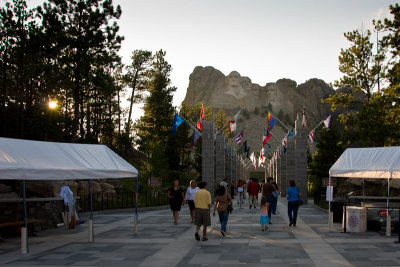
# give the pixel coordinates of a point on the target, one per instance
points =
(196, 137)
(245, 147)
(284, 141)
(269, 146)
(267, 136)
(253, 160)
(304, 124)
(311, 135)
(201, 118)
(262, 153)
(271, 121)
(290, 133)
(233, 122)
(239, 137)
(175, 124)
(327, 122)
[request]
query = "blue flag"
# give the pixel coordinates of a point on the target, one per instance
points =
(196, 137)
(245, 146)
(269, 146)
(177, 121)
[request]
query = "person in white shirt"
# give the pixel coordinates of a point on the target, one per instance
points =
(189, 197)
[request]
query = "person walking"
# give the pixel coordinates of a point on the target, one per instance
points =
(225, 184)
(293, 196)
(253, 192)
(267, 190)
(240, 190)
(222, 202)
(176, 196)
(276, 196)
(189, 197)
(264, 219)
(202, 202)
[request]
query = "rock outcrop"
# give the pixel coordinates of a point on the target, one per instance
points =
(209, 85)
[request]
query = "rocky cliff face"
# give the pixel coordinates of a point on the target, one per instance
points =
(209, 85)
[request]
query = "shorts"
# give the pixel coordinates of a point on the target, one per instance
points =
(191, 205)
(203, 217)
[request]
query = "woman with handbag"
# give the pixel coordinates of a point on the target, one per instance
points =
(293, 196)
(223, 204)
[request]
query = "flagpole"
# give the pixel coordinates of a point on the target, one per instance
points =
(276, 117)
(316, 127)
(194, 128)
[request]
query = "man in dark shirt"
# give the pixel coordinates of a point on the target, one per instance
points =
(267, 190)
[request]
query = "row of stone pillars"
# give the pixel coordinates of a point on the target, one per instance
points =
(292, 165)
(221, 160)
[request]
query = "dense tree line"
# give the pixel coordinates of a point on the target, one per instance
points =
(369, 114)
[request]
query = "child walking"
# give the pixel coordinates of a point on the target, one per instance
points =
(264, 219)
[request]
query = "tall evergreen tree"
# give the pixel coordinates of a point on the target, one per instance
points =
(154, 127)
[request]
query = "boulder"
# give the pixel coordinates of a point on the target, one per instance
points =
(49, 188)
(84, 187)
(9, 195)
(107, 188)
(5, 189)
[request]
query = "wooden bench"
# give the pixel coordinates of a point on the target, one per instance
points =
(29, 222)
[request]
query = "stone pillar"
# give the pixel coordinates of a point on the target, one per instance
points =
(208, 155)
(301, 159)
(219, 158)
(228, 163)
(238, 168)
(282, 180)
(233, 160)
(290, 163)
(278, 166)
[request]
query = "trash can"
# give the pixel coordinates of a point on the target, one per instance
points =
(356, 219)
(337, 209)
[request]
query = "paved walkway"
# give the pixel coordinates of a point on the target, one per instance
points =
(160, 243)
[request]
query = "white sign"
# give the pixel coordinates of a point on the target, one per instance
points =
(240, 189)
(329, 193)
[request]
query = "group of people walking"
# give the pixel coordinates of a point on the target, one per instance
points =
(199, 200)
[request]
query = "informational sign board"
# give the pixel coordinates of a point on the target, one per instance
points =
(329, 193)
(155, 182)
(325, 182)
(240, 189)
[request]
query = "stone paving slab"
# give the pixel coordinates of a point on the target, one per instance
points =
(160, 243)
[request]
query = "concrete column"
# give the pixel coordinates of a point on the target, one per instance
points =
(238, 168)
(233, 160)
(290, 163)
(219, 158)
(228, 162)
(278, 167)
(208, 155)
(282, 180)
(301, 159)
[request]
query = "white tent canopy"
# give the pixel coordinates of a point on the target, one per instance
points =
(36, 160)
(371, 162)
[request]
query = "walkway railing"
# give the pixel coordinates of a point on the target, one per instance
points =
(122, 200)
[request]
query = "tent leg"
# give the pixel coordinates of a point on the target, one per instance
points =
(24, 232)
(135, 219)
(388, 220)
(90, 224)
(363, 189)
(329, 214)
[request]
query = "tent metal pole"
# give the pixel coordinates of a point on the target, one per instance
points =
(135, 220)
(388, 220)
(90, 232)
(329, 214)
(363, 188)
(24, 232)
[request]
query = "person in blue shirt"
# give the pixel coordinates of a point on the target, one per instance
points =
(293, 195)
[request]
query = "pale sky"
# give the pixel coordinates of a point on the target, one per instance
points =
(265, 40)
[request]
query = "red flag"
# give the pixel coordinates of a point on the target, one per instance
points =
(311, 135)
(266, 138)
(200, 121)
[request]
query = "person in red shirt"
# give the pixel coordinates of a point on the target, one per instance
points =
(254, 188)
